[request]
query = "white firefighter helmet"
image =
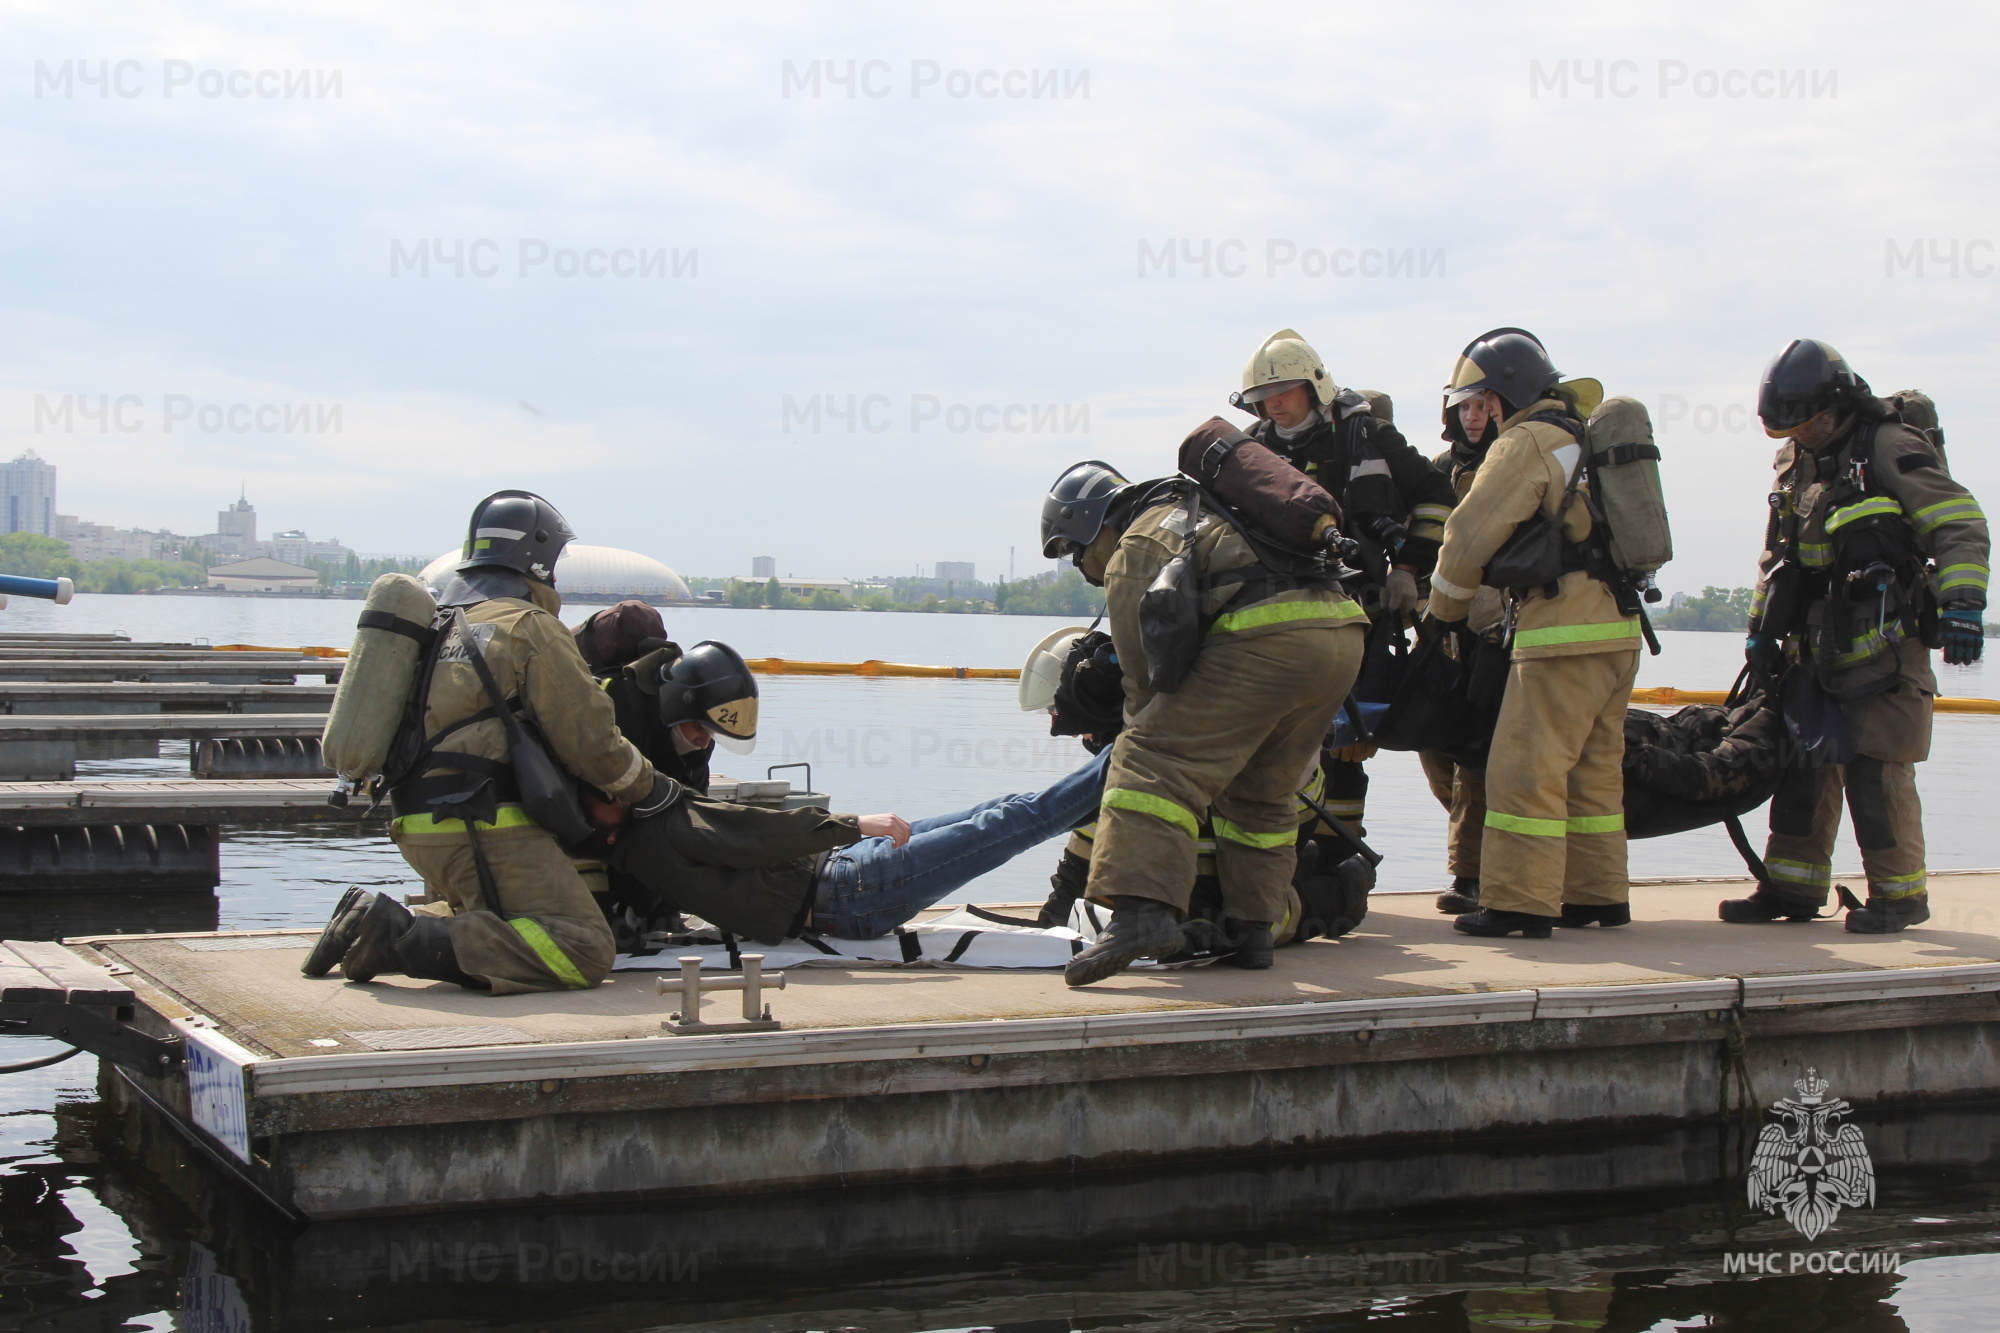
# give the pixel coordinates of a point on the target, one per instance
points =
(1042, 672)
(1285, 359)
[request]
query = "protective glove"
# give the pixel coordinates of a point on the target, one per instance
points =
(1399, 592)
(1766, 655)
(1964, 634)
(665, 793)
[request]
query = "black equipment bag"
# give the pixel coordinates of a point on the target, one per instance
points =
(1447, 703)
(1385, 660)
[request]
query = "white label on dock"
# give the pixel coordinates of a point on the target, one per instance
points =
(215, 1067)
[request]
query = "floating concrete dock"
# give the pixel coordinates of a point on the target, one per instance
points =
(46, 747)
(338, 1100)
(36, 698)
(173, 801)
(158, 726)
(222, 668)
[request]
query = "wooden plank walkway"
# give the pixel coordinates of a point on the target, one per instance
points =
(176, 801)
(223, 667)
(165, 695)
(158, 726)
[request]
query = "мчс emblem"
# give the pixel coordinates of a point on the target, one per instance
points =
(1809, 1163)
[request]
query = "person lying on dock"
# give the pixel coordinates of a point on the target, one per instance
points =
(765, 874)
(769, 875)
(676, 707)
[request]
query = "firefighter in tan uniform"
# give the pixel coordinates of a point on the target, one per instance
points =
(1554, 844)
(1232, 744)
(509, 911)
(1873, 555)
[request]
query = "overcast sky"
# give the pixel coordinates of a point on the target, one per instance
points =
(954, 219)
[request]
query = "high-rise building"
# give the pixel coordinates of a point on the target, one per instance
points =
(28, 495)
(763, 566)
(291, 547)
(238, 521)
(956, 571)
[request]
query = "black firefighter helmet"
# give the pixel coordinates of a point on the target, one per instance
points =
(1073, 514)
(711, 685)
(1511, 362)
(516, 530)
(1802, 381)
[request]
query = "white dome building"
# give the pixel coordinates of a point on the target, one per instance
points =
(592, 572)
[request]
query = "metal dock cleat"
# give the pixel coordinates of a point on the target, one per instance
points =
(691, 983)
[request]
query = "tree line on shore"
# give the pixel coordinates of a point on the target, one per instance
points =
(1718, 610)
(31, 555)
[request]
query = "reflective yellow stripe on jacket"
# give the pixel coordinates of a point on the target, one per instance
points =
(1551, 634)
(1868, 508)
(1278, 613)
(417, 826)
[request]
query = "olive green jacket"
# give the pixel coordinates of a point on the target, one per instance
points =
(746, 869)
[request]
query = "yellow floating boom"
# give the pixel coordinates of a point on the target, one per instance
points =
(1669, 694)
(780, 666)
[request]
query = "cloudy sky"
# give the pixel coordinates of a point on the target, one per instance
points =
(850, 284)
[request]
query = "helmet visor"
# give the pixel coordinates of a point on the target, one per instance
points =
(1271, 390)
(1783, 428)
(1453, 397)
(735, 720)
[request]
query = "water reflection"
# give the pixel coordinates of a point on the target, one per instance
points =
(1632, 1232)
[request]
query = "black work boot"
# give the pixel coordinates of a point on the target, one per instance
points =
(1603, 914)
(1765, 905)
(1462, 896)
(338, 935)
(1356, 878)
(425, 952)
(1253, 944)
(1139, 928)
(1065, 887)
(1496, 924)
(1886, 916)
(383, 922)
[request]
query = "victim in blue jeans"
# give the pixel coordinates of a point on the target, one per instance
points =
(868, 889)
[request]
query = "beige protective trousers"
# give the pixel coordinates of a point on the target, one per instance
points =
(1462, 792)
(551, 935)
(1235, 742)
(1555, 785)
(1892, 732)
(1888, 824)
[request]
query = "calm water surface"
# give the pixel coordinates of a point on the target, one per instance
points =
(96, 1233)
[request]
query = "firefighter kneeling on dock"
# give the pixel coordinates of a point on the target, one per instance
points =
(1227, 733)
(509, 912)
